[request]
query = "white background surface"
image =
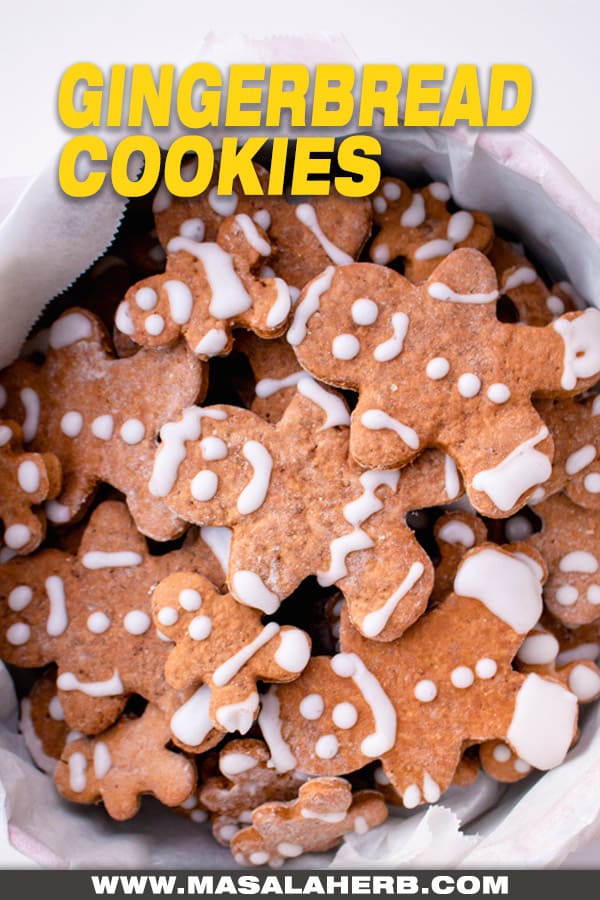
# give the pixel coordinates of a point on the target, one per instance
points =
(558, 40)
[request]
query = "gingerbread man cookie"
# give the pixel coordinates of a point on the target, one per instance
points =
(521, 284)
(91, 615)
(208, 288)
(26, 480)
(222, 644)
(125, 762)
(455, 532)
(245, 782)
(325, 810)
(414, 703)
(305, 237)
(574, 424)
(101, 416)
(434, 367)
(418, 226)
(569, 542)
(292, 490)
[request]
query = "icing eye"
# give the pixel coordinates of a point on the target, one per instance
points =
(146, 298)
(345, 346)
(364, 311)
(312, 706)
(190, 599)
(168, 616)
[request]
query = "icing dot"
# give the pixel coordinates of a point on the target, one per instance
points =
(71, 423)
(190, 599)
(312, 706)
(168, 615)
(55, 709)
(103, 427)
(17, 536)
(199, 628)
(222, 204)
(136, 622)
(591, 483)
(485, 668)
(566, 595)
(381, 254)
(462, 677)
(437, 368)
(425, 690)
(440, 191)
(364, 311)
(392, 191)
(498, 393)
(20, 597)
(469, 385)
(29, 476)
(380, 776)
(154, 324)
(5, 435)
(192, 229)
(345, 346)
(132, 431)
(18, 634)
(379, 204)
(521, 766)
(344, 715)
(593, 594)
(259, 856)
(213, 448)
(98, 622)
(501, 753)
(518, 528)
(555, 305)
(146, 298)
(204, 485)
(327, 746)
(262, 218)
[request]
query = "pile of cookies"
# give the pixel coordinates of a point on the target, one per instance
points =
(301, 515)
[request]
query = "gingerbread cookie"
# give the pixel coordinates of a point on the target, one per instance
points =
(569, 542)
(414, 703)
(419, 227)
(91, 615)
(101, 416)
(574, 424)
(245, 782)
(434, 367)
(325, 810)
(455, 532)
(222, 644)
(520, 283)
(305, 237)
(292, 490)
(125, 762)
(208, 289)
(540, 653)
(42, 723)
(26, 480)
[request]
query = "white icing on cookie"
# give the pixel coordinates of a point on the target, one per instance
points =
(523, 468)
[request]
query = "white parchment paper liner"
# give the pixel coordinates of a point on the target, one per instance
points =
(45, 243)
